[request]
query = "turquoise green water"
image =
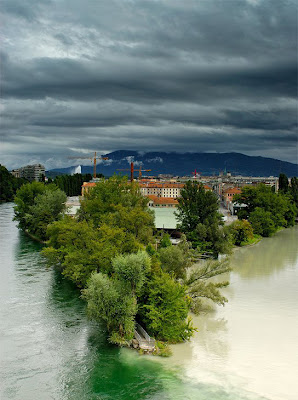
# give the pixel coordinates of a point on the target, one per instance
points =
(49, 350)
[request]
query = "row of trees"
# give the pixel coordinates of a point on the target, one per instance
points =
(264, 213)
(199, 219)
(72, 184)
(37, 206)
(289, 189)
(266, 210)
(9, 184)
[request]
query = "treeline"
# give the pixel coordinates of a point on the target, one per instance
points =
(125, 272)
(266, 210)
(263, 213)
(200, 220)
(72, 184)
(37, 206)
(9, 184)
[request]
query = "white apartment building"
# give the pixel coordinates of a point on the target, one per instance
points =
(32, 172)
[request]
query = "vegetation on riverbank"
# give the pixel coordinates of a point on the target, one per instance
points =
(109, 251)
(37, 206)
(199, 219)
(266, 210)
(125, 273)
(72, 184)
(9, 184)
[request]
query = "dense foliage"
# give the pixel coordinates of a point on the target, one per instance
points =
(109, 251)
(241, 232)
(113, 299)
(293, 190)
(266, 210)
(200, 220)
(72, 184)
(165, 309)
(9, 184)
(290, 189)
(37, 206)
(119, 204)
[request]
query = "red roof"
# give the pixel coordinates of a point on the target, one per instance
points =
(162, 200)
(232, 191)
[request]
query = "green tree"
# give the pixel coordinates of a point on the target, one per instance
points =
(279, 207)
(24, 199)
(241, 232)
(37, 205)
(294, 191)
(79, 249)
(262, 222)
(200, 220)
(165, 241)
(47, 208)
(139, 221)
(131, 269)
(165, 308)
(211, 239)
(283, 183)
(72, 184)
(107, 194)
(196, 206)
(200, 285)
(109, 301)
(176, 259)
(9, 184)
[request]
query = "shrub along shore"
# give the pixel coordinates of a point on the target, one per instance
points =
(125, 271)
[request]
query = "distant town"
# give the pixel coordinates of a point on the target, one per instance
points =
(164, 190)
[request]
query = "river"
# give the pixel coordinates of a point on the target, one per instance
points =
(246, 350)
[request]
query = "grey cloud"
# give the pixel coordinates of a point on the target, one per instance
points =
(143, 75)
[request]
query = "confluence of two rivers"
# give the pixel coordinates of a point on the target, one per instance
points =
(246, 350)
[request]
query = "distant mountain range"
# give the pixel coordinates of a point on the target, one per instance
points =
(183, 164)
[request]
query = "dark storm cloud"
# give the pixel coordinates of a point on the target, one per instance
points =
(148, 75)
(72, 79)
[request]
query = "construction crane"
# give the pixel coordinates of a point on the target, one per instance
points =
(142, 170)
(196, 174)
(94, 158)
(132, 171)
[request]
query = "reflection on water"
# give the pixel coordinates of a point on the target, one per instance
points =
(252, 342)
(49, 350)
(268, 256)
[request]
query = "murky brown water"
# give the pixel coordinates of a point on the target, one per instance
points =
(252, 342)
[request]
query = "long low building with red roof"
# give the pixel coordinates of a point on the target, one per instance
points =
(158, 189)
(155, 201)
(163, 189)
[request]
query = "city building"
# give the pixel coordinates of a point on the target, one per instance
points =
(15, 173)
(35, 172)
(228, 195)
(155, 201)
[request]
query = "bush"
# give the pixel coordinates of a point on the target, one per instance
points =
(262, 222)
(165, 310)
(241, 232)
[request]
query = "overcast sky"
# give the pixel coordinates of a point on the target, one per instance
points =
(175, 75)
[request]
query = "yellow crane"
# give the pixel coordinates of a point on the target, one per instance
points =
(94, 158)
